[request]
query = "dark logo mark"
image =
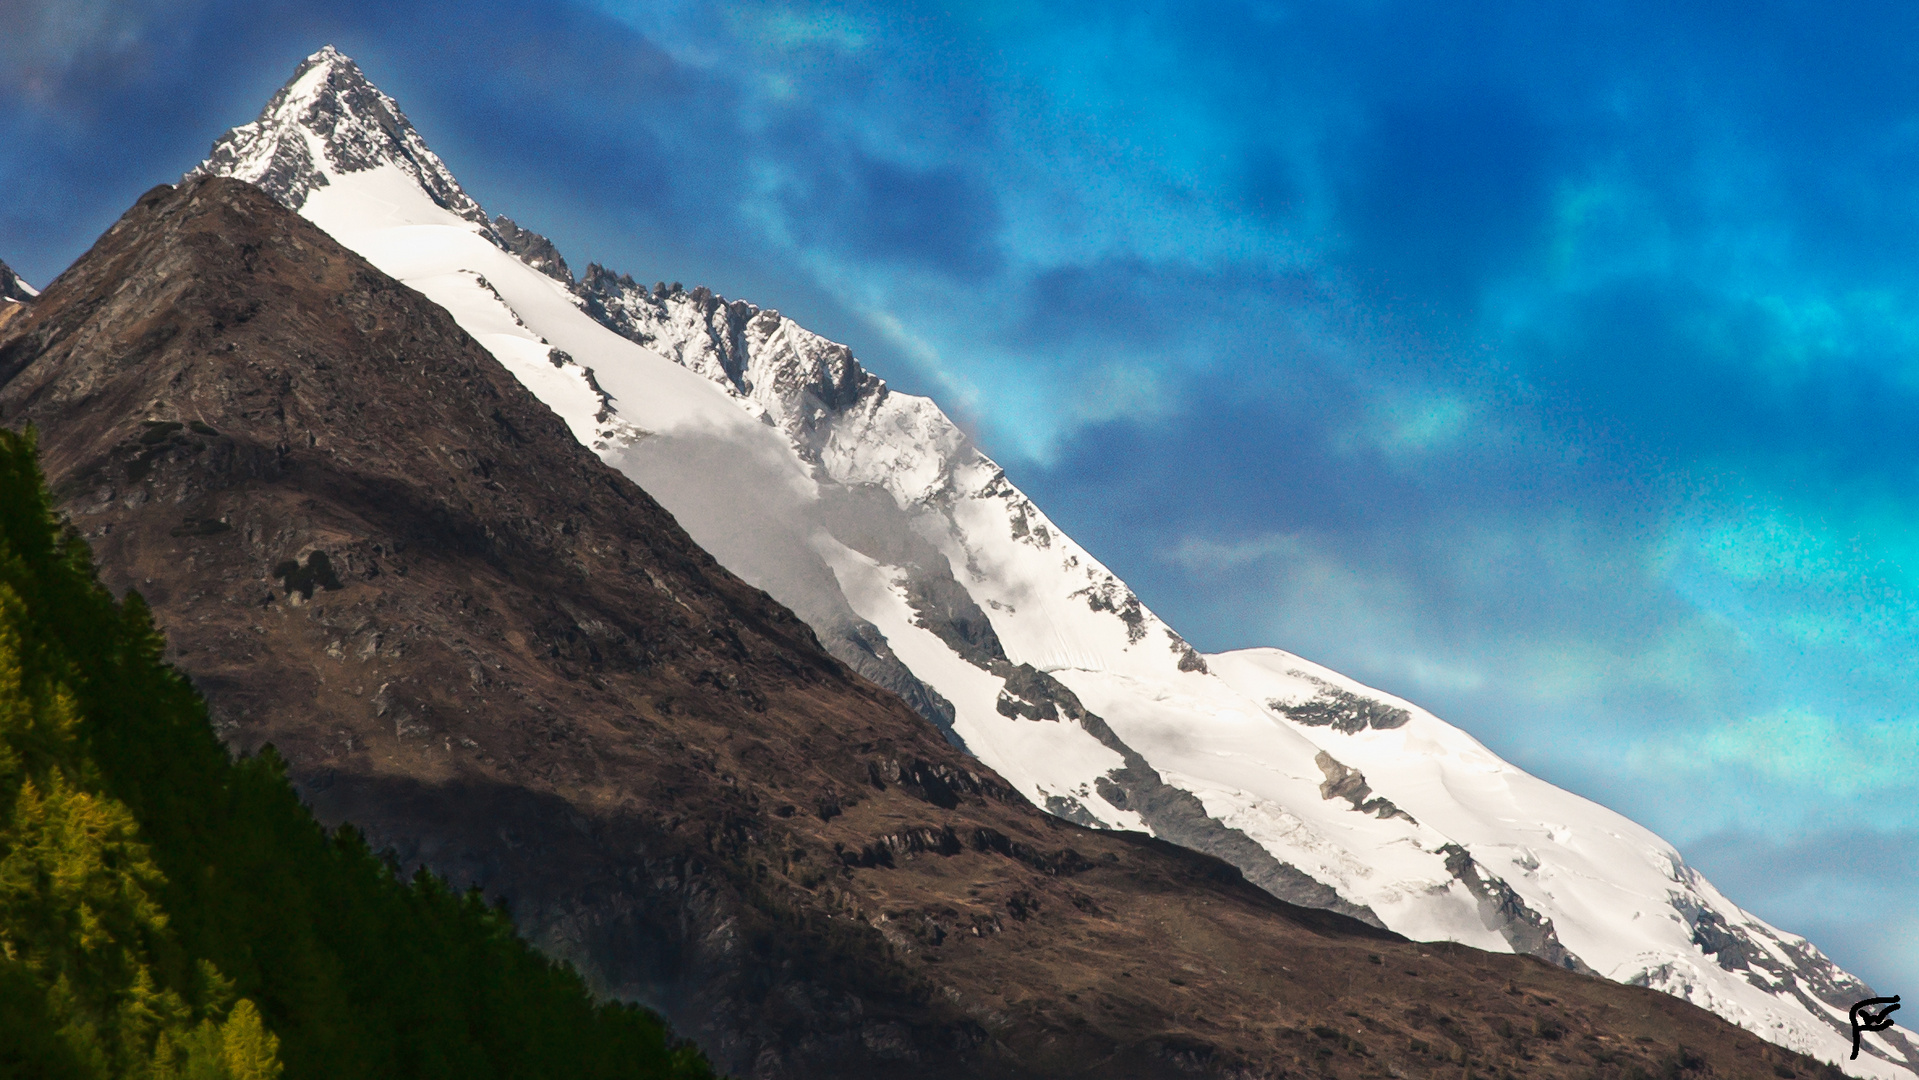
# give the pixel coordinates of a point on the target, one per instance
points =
(1865, 1018)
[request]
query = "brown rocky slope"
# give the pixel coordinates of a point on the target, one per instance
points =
(373, 548)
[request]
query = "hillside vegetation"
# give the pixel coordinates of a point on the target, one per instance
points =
(166, 911)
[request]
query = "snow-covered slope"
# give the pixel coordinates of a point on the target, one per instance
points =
(919, 563)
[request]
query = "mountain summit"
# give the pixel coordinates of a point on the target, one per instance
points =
(328, 120)
(918, 563)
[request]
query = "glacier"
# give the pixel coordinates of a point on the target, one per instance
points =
(922, 566)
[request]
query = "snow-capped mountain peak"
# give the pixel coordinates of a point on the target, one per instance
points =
(326, 122)
(920, 564)
(329, 122)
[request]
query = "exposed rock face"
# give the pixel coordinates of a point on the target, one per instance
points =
(1343, 782)
(373, 548)
(1343, 711)
(1525, 929)
(532, 248)
(796, 379)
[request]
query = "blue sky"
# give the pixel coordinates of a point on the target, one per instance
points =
(1555, 366)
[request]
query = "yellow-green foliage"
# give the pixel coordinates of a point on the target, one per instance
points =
(169, 913)
(80, 910)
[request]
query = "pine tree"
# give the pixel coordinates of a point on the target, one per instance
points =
(250, 1051)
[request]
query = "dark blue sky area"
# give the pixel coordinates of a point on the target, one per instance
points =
(1554, 366)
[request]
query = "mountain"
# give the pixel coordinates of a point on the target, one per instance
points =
(921, 566)
(373, 548)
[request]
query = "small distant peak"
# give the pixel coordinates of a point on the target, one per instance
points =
(14, 288)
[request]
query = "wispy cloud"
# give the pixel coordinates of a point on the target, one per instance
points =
(1823, 761)
(46, 39)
